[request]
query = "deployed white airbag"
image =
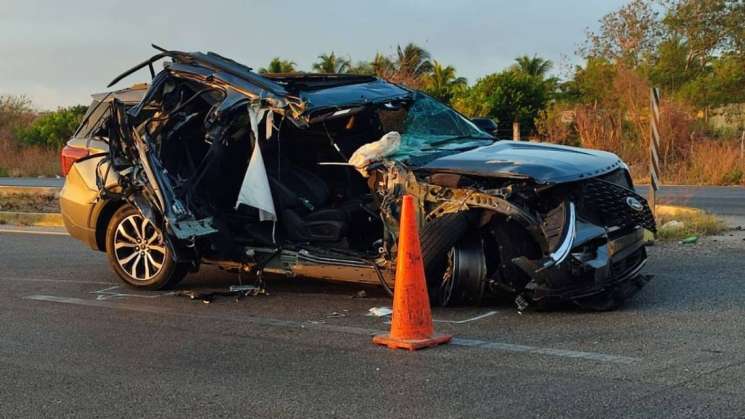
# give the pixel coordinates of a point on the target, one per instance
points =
(255, 191)
(371, 152)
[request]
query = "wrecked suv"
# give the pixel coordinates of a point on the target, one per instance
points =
(303, 175)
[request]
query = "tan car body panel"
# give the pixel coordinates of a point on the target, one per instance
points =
(94, 145)
(79, 199)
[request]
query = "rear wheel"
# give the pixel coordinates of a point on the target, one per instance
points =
(137, 251)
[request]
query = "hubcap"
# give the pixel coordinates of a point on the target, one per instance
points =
(139, 248)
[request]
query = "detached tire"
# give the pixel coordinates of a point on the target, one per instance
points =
(137, 252)
(437, 238)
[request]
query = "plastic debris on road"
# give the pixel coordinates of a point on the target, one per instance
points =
(689, 240)
(209, 295)
(380, 311)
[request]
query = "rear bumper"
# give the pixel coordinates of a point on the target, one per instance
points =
(76, 201)
(601, 270)
(80, 202)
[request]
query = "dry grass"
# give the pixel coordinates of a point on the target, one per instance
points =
(620, 123)
(709, 163)
(23, 202)
(31, 219)
(16, 160)
(695, 222)
(685, 158)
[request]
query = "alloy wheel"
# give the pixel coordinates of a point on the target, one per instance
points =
(139, 248)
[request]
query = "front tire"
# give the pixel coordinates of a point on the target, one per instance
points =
(437, 240)
(138, 253)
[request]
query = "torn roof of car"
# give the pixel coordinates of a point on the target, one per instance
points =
(130, 95)
(320, 91)
(305, 94)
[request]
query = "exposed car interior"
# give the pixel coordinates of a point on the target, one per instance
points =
(319, 198)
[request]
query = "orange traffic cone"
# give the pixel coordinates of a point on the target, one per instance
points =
(411, 325)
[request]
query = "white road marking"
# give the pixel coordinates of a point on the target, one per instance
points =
(109, 293)
(470, 343)
(479, 317)
(509, 347)
(38, 232)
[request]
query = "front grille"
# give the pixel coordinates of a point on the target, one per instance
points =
(606, 204)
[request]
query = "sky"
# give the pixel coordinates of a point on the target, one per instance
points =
(59, 52)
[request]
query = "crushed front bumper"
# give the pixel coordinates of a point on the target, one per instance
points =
(600, 272)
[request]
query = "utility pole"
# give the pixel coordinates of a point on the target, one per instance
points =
(516, 131)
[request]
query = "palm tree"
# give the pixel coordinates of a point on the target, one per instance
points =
(363, 68)
(331, 64)
(381, 65)
(278, 65)
(412, 60)
(441, 82)
(533, 66)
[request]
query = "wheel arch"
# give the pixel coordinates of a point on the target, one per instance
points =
(504, 240)
(102, 221)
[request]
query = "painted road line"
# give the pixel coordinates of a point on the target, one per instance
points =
(479, 317)
(263, 321)
(109, 293)
(509, 347)
(39, 232)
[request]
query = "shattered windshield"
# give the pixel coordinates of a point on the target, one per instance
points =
(430, 126)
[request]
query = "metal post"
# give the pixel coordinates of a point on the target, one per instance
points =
(654, 146)
(516, 131)
(652, 199)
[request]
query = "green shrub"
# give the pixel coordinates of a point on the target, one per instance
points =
(15, 113)
(52, 129)
(733, 177)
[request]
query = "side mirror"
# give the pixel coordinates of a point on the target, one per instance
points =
(487, 125)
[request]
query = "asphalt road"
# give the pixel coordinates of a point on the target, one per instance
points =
(48, 182)
(722, 200)
(73, 342)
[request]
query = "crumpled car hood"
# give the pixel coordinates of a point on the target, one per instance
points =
(544, 163)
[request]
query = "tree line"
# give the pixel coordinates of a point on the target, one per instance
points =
(693, 49)
(517, 93)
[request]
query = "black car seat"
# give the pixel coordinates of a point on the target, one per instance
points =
(301, 199)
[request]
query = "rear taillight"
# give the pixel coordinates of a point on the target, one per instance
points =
(69, 156)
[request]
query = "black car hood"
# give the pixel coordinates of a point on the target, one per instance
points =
(544, 163)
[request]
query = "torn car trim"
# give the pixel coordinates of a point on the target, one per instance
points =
(561, 253)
